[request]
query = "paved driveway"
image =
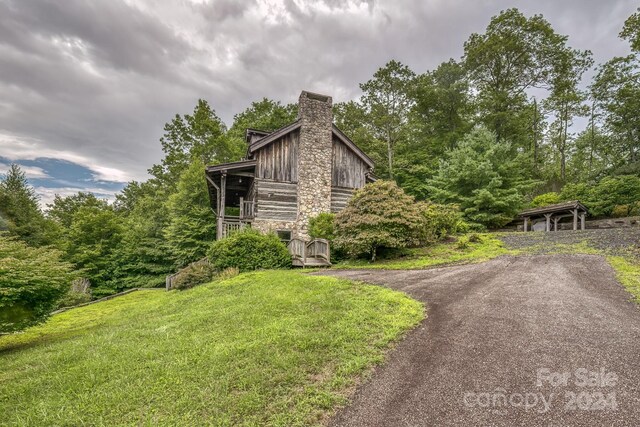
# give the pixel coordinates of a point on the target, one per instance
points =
(539, 340)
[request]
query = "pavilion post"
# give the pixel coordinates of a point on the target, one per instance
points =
(548, 225)
(575, 219)
(582, 221)
(526, 224)
(555, 223)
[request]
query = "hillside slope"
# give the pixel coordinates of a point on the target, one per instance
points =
(267, 348)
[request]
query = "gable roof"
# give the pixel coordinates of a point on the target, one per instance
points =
(349, 143)
(273, 136)
(268, 139)
(564, 206)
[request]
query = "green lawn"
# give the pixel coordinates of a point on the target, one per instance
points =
(439, 254)
(266, 348)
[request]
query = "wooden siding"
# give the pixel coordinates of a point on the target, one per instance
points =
(278, 161)
(276, 200)
(339, 198)
(348, 170)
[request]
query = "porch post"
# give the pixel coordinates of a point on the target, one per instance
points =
(575, 219)
(242, 212)
(555, 223)
(223, 196)
(582, 225)
(548, 226)
(526, 224)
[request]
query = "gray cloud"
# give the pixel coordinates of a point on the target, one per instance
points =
(94, 82)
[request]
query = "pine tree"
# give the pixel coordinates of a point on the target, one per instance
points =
(19, 207)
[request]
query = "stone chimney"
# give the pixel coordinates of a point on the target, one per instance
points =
(314, 158)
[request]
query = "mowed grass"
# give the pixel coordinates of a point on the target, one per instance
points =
(267, 348)
(446, 253)
(627, 273)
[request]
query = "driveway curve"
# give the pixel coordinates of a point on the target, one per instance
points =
(532, 340)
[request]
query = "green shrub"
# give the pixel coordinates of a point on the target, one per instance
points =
(546, 199)
(463, 242)
(439, 221)
(380, 215)
(620, 211)
(602, 198)
(228, 273)
(32, 281)
(474, 238)
(248, 250)
(322, 226)
(192, 275)
(79, 292)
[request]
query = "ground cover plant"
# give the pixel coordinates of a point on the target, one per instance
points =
(262, 348)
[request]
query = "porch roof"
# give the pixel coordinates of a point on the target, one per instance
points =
(558, 207)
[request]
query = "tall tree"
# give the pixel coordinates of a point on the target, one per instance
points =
(191, 228)
(631, 31)
(484, 178)
(20, 209)
(514, 54)
(616, 92)
(197, 136)
(387, 100)
(92, 241)
(440, 117)
(266, 115)
(566, 99)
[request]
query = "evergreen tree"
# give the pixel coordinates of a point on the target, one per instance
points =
(20, 209)
(484, 178)
(192, 226)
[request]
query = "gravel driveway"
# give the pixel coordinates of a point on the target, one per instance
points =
(531, 340)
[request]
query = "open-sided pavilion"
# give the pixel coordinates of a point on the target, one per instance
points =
(554, 213)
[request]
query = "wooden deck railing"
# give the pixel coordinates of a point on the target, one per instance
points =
(247, 209)
(318, 248)
(231, 224)
(297, 249)
(303, 251)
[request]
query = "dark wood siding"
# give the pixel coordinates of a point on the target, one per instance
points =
(278, 161)
(339, 198)
(348, 170)
(276, 200)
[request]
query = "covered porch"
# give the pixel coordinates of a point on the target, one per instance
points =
(232, 194)
(553, 214)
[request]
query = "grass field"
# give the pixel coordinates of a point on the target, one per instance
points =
(439, 254)
(267, 348)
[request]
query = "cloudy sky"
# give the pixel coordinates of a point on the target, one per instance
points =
(86, 86)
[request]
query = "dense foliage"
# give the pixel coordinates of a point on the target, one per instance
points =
(601, 199)
(194, 274)
(482, 177)
(545, 199)
(440, 221)
(32, 280)
(380, 215)
(322, 226)
(248, 250)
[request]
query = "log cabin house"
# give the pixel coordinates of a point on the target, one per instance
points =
(289, 175)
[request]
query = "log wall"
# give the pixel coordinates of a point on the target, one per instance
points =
(348, 170)
(339, 198)
(276, 200)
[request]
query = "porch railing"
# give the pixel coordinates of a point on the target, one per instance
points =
(318, 248)
(229, 225)
(304, 251)
(247, 209)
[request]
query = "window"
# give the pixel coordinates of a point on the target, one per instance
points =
(284, 235)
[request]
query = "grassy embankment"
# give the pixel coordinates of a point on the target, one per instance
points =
(266, 348)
